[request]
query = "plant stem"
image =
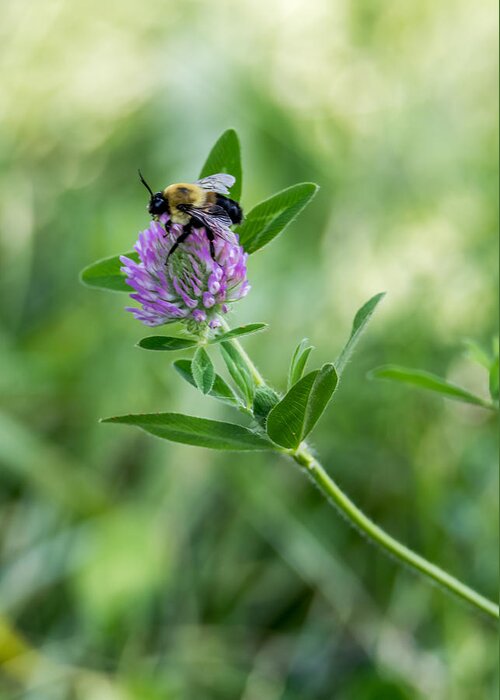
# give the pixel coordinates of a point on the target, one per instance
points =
(359, 520)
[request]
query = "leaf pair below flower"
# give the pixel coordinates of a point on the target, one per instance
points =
(170, 344)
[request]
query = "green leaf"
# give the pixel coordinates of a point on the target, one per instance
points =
(191, 430)
(494, 377)
(322, 391)
(238, 371)
(240, 330)
(359, 324)
(265, 221)
(264, 400)
(426, 380)
(106, 274)
(220, 389)
(293, 418)
(298, 362)
(225, 157)
(165, 342)
(285, 423)
(203, 371)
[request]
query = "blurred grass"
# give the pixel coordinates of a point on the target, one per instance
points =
(136, 569)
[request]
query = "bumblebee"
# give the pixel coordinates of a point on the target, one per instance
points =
(203, 203)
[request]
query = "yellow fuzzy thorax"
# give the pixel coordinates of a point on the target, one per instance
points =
(183, 193)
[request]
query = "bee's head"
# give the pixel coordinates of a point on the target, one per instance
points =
(157, 204)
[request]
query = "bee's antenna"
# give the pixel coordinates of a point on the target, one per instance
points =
(145, 183)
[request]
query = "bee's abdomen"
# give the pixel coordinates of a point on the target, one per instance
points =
(233, 209)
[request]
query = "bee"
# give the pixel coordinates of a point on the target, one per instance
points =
(203, 203)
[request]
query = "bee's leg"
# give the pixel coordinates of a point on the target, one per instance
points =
(188, 229)
(166, 226)
(211, 239)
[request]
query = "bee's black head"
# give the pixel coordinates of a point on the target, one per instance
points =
(158, 205)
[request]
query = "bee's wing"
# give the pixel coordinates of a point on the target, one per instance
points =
(220, 182)
(215, 218)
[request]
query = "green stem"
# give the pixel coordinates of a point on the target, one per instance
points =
(356, 517)
(359, 520)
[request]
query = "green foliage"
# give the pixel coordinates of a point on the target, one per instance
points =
(225, 157)
(200, 432)
(298, 362)
(293, 418)
(166, 343)
(359, 324)
(171, 343)
(269, 218)
(237, 332)
(106, 273)
(289, 420)
(322, 391)
(285, 423)
(203, 371)
(431, 382)
(220, 389)
(264, 400)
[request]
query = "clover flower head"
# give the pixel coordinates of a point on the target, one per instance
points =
(191, 286)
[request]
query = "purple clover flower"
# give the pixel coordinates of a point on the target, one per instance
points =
(192, 287)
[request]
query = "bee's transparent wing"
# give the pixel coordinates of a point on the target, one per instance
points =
(215, 218)
(220, 183)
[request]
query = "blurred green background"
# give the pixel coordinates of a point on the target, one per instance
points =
(137, 569)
